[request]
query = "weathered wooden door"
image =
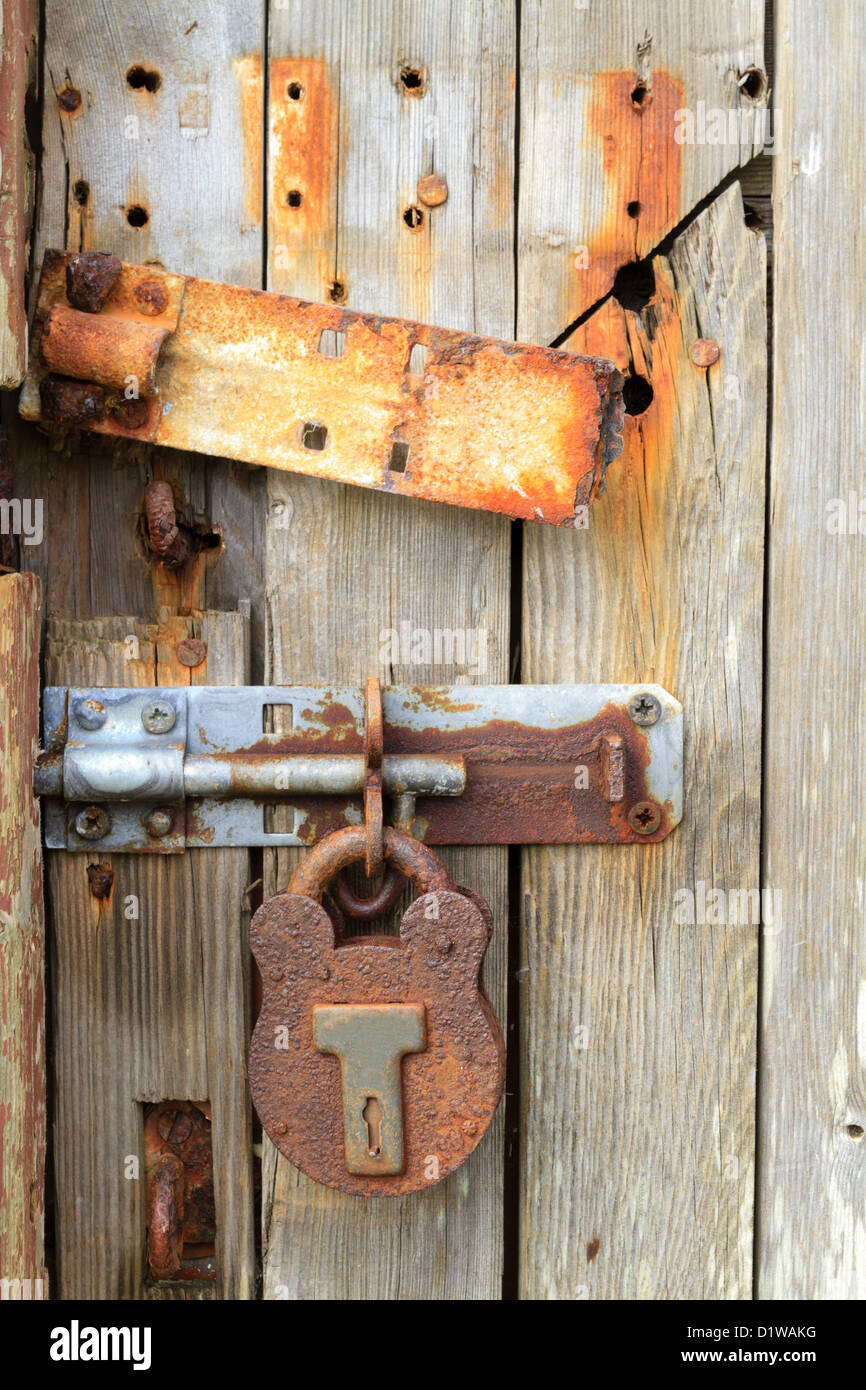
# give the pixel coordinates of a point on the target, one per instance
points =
(608, 170)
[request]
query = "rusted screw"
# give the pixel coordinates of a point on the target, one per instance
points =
(276, 972)
(90, 714)
(174, 1127)
(644, 709)
(645, 817)
(92, 823)
(190, 651)
(69, 99)
(704, 352)
(158, 717)
(432, 190)
(100, 879)
(90, 279)
(158, 822)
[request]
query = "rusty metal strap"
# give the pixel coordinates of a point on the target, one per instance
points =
(221, 370)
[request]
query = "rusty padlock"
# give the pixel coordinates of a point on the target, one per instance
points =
(377, 1063)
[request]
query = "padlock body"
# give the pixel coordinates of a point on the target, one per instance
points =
(313, 1101)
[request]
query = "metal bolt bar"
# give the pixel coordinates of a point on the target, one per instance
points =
(318, 774)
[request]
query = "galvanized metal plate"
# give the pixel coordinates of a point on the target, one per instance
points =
(543, 764)
(506, 427)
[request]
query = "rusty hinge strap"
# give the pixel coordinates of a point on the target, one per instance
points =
(138, 352)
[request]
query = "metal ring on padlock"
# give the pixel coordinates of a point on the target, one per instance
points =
(344, 847)
(368, 909)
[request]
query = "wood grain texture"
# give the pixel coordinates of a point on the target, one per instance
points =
(605, 91)
(182, 152)
(344, 567)
(18, 32)
(147, 1007)
(812, 1151)
(638, 1033)
(22, 947)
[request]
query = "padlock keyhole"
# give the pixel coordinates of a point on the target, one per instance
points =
(373, 1115)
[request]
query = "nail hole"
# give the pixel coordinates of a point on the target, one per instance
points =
(412, 80)
(81, 192)
(314, 436)
(399, 456)
(295, 91)
(137, 216)
(637, 394)
(639, 94)
(337, 292)
(294, 199)
(332, 342)
(854, 1131)
(413, 217)
(753, 83)
(634, 209)
(634, 285)
(140, 78)
(752, 217)
(417, 365)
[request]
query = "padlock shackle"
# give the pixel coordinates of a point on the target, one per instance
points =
(344, 847)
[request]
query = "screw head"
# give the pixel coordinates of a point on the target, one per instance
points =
(90, 713)
(276, 972)
(190, 651)
(644, 709)
(174, 1127)
(92, 823)
(158, 822)
(704, 352)
(158, 717)
(645, 817)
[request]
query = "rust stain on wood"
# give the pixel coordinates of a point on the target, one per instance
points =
(249, 77)
(301, 159)
(641, 165)
(19, 19)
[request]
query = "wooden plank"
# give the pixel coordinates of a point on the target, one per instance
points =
(182, 153)
(345, 569)
(638, 1059)
(18, 28)
(150, 994)
(812, 1150)
(22, 949)
(606, 89)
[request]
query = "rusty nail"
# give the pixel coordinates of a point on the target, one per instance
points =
(645, 817)
(92, 823)
(444, 944)
(131, 414)
(644, 709)
(90, 278)
(69, 99)
(90, 714)
(100, 878)
(158, 717)
(704, 352)
(190, 651)
(158, 822)
(277, 973)
(432, 190)
(169, 543)
(280, 1127)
